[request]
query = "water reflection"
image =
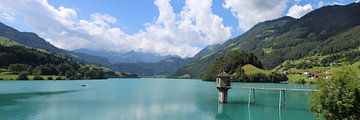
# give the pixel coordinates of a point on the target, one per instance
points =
(265, 106)
(13, 98)
(221, 115)
(249, 111)
(143, 99)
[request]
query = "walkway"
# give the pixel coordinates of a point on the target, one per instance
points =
(281, 87)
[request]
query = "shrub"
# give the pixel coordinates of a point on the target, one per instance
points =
(185, 76)
(17, 68)
(312, 82)
(23, 76)
(301, 81)
(58, 78)
(338, 98)
(38, 77)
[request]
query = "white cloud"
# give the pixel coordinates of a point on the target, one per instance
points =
(208, 23)
(321, 4)
(7, 17)
(357, 1)
(171, 33)
(251, 12)
(298, 11)
(338, 3)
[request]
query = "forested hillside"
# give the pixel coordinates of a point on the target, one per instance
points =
(33, 40)
(23, 61)
(162, 68)
(322, 32)
(233, 63)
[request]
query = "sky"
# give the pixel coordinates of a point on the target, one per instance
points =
(165, 27)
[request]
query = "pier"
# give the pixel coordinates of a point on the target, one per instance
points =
(223, 84)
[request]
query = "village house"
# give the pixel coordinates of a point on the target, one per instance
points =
(312, 76)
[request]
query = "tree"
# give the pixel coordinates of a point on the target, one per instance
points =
(58, 78)
(230, 63)
(47, 69)
(339, 97)
(38, 77)
(70, 74)
(17, 68)
(23, 76)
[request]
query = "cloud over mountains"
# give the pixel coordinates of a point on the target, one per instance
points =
(181, 33)
(172, 33)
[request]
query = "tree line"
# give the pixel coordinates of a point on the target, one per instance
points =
(232, 63)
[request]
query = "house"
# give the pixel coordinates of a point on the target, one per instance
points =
(327, 75)
(285, 71)
(313, 75)
(306, 72)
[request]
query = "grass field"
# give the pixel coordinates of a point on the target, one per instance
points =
(7, 42)
(298, 79)
(295, 78)
(13, 76)
(251, 70)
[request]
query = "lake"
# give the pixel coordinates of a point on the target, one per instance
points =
(142, 99)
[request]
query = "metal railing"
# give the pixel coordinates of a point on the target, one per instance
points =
(292, 87)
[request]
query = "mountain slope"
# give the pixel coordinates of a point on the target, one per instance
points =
(162, 68)
(33, 40)
(20, 59)
(208, 50)
(128, 57)
(286, 38)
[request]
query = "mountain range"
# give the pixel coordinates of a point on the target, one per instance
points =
(162, 68)
(324, 31)
(145, 64)
(127, 57)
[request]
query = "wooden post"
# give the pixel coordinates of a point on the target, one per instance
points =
(253, 92)
(249, 100)
(283, 96)
(280, 100)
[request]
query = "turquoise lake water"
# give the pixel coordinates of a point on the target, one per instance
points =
(142, 99)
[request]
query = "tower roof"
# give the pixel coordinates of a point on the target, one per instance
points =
(223, 74)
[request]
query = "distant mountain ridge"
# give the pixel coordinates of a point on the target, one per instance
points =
(208, 50)
(324, 31)
(163, 68)
(33, 40)
(128, 57)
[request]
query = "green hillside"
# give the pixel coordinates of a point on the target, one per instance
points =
(6, 42)
(231, 63)
(23, 62)
(162, 68)
(243, 67)
(325, 65)
(252, 70)
(35, 41)
(323, 32)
